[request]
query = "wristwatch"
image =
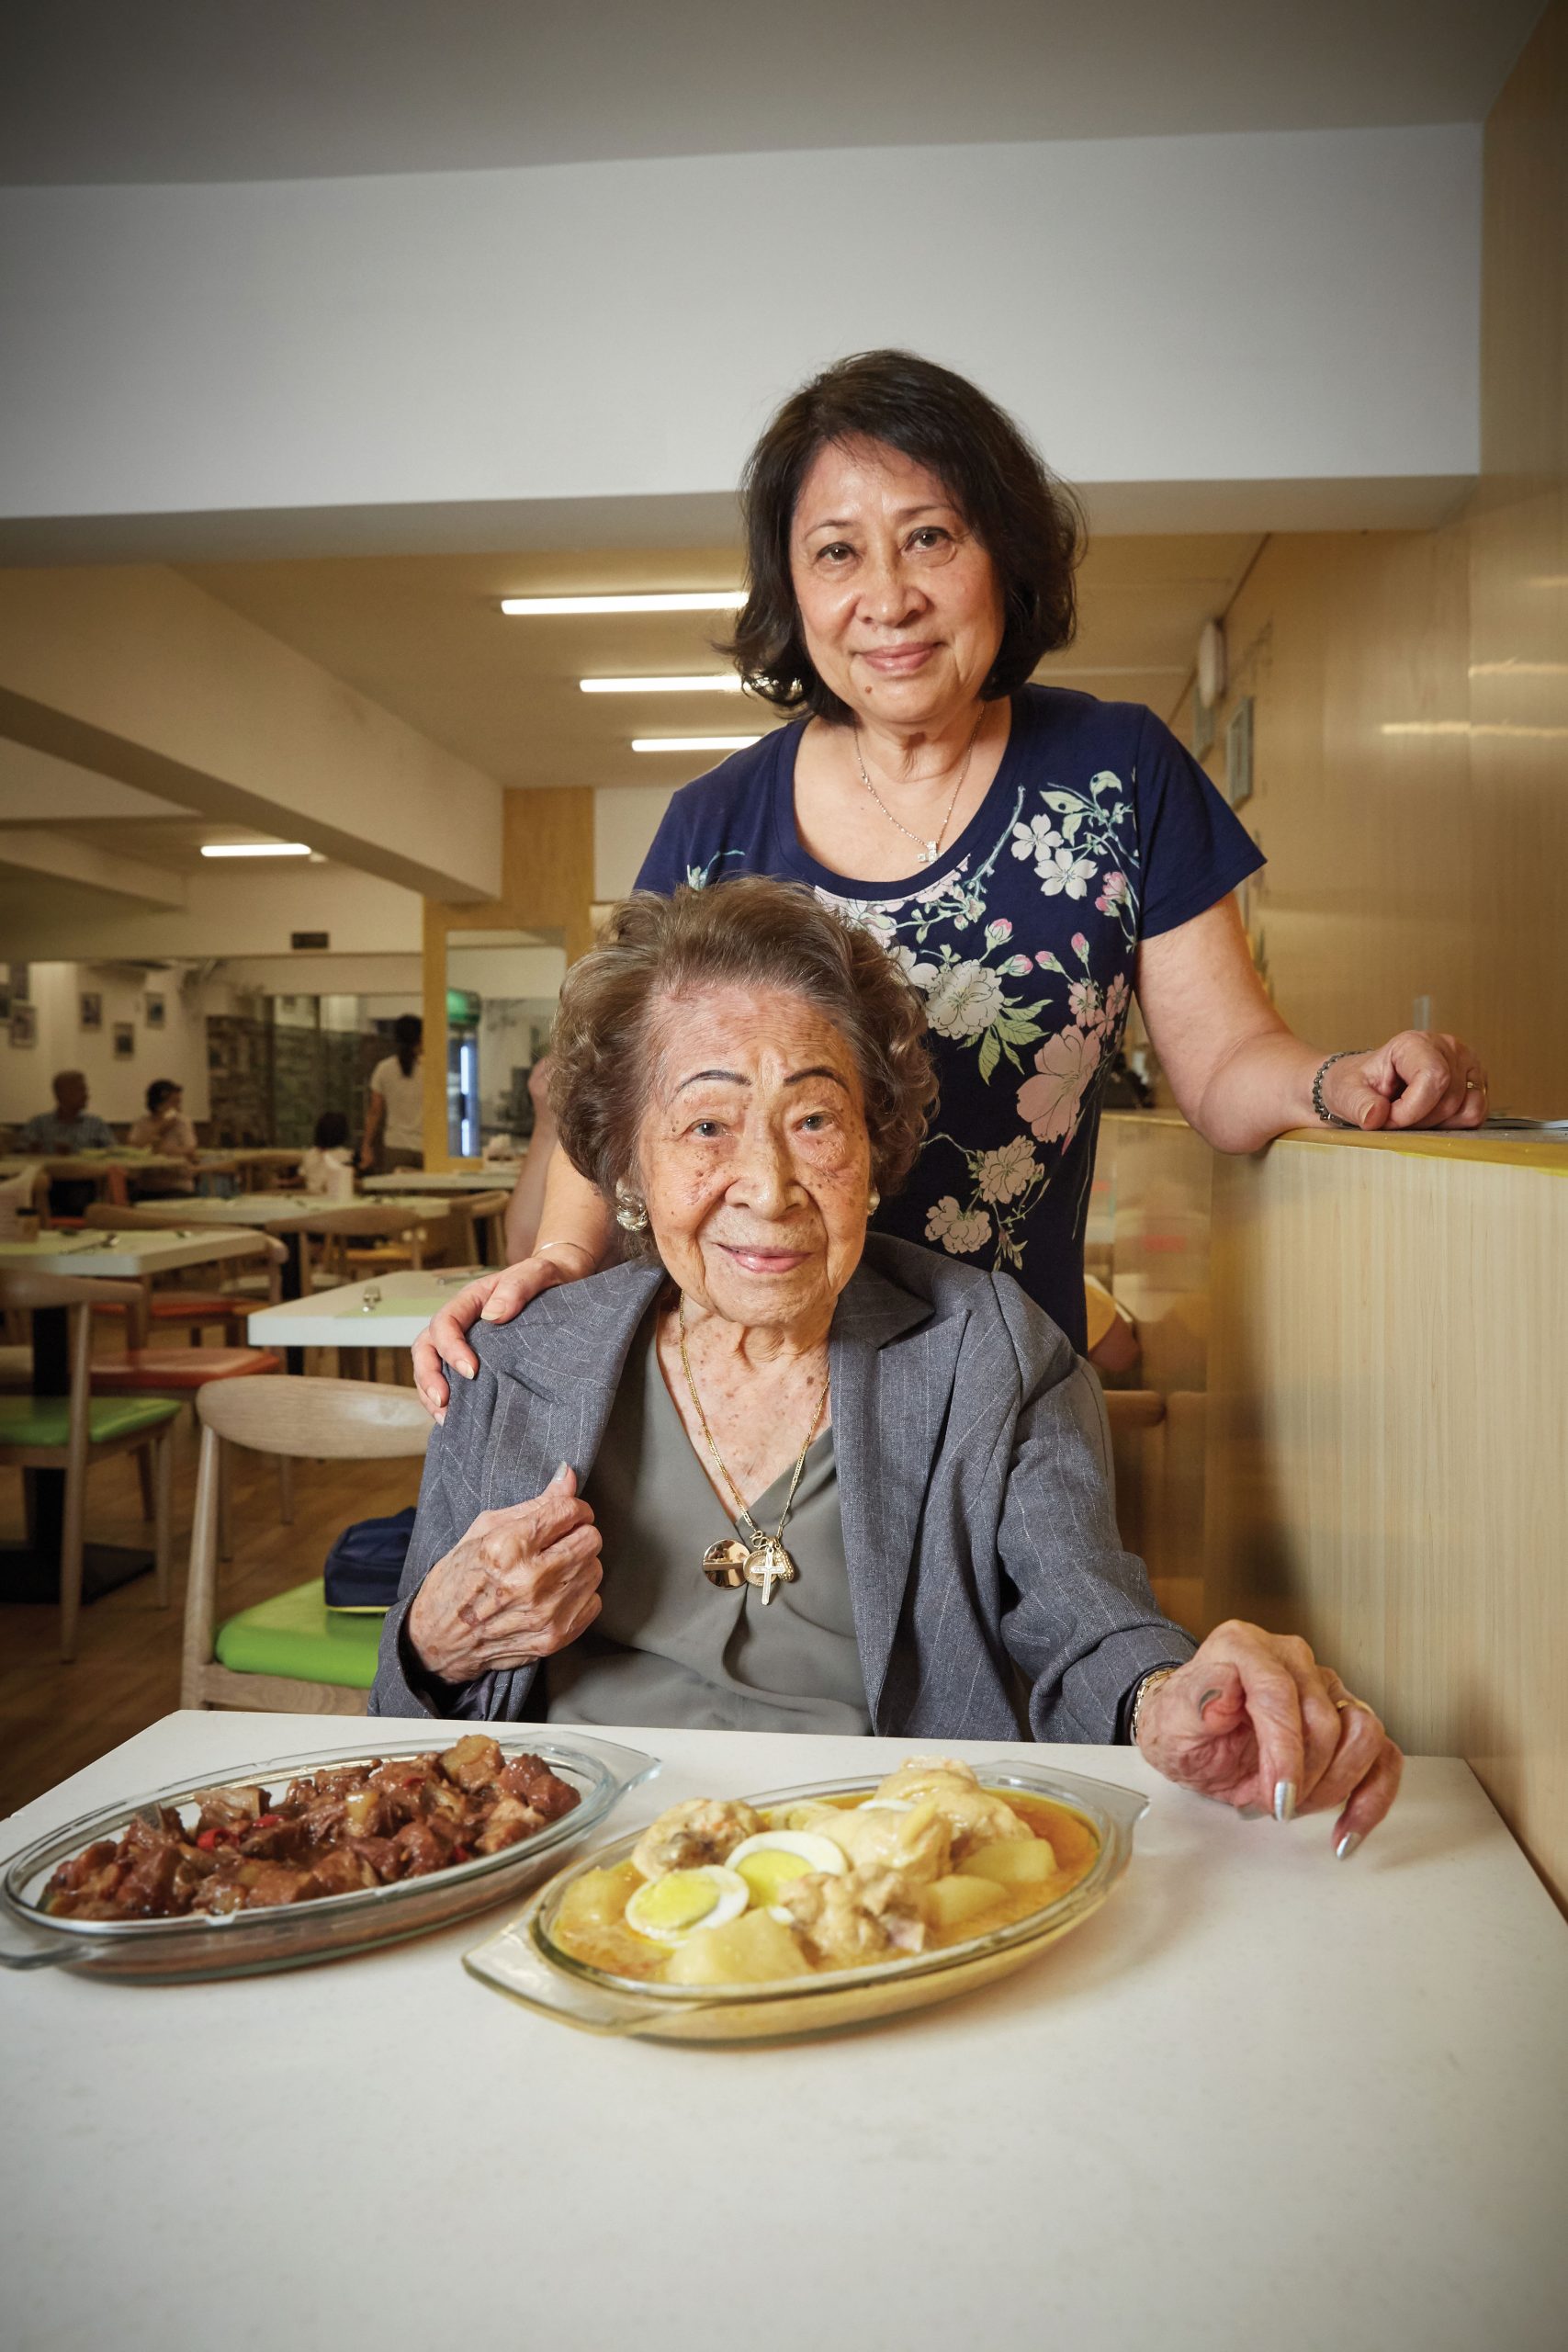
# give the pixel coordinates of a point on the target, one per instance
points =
(1150, 1682)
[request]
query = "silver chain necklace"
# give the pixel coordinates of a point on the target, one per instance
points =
(927, 849)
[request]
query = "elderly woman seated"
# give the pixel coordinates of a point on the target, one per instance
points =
(773, 1474)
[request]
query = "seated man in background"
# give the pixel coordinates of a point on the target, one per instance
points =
(68, 1127)
(164, 1128)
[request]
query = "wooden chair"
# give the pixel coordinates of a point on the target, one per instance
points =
(197, 1310)
(70, 1433)
(476, 1228)
(292, 1652)
(397, 1237)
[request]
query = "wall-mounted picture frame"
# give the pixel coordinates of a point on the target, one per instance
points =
(23, 1026)
(124, 1040)
(1238, 753)
(5, 993)
(153, 1012)
(91, 1009)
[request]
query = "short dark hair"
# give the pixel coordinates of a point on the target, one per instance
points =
(751, 932)
(160, 1091)
(407, 1036)
(1030, 523)
(332, 1131)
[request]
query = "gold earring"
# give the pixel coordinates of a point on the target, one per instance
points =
(875, 1203)
(629, 1211)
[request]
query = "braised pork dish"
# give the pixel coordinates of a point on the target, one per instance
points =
(716, 1893)
(331, 1832)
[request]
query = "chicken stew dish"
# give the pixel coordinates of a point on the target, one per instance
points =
(331, 1832)
(716, 1892)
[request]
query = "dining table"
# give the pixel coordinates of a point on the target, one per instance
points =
(1260, 2099)
(499, 1177)
(385, 1311)
(30, 1570)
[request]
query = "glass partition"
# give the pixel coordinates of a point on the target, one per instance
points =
(501, 988)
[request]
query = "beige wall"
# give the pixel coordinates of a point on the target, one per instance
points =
(1430, 860)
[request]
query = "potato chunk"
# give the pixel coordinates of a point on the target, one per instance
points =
(1023, 1862)
(598, 1899)
(955, 1902)
(753, 1949)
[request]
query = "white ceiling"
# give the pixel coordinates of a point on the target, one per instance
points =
(102, 91)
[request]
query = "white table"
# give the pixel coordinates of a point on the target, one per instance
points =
(499, 1177)
(1264, 2099)
(114, 1256)
(400, 1306)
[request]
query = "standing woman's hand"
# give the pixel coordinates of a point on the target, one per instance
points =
(1255, 1722)
(1420, 1079)
(496, 1297)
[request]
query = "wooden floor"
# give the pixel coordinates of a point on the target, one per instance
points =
(55, 1718)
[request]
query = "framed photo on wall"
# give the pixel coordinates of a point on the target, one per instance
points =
(124, 1040)
(154, 1010)
(92, 1009)
(23, 1023)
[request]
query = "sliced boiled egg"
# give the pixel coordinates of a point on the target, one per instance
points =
(768, 1862)
(884, 1805)
(672, 1908)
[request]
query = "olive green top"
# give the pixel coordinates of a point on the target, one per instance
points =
(669, 1647)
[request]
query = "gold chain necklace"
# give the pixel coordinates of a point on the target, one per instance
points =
(763, 1561)
(927, 849)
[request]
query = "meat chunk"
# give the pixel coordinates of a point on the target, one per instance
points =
(474, 1762)
(509, 1819)
(972, 1817)
(842, 1922)
(531, 1778)
(901, 1836)
(705, 1829)
(266, 1884)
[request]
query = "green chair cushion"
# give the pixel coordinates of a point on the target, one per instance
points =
(295, 1633)
(46, 1420)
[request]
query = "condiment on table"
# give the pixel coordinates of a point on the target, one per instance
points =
(1261, 2098)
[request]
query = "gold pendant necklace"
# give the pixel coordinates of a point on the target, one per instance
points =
(762, 1562)
(928, 849)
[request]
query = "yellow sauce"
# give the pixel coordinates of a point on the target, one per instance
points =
(590, 1927)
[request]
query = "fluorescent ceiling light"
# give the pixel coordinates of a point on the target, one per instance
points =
(718, 682)
(684, 600)
(694, 742)
(255, 849)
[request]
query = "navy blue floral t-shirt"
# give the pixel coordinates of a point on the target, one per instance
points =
(1098, 831)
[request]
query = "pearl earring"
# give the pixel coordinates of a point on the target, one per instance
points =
(629, 1211)
(875, 1203)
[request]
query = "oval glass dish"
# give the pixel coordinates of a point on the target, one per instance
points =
(524, 1959)
(293, 1935)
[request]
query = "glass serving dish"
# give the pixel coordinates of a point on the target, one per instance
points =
(523, 1958)
(293, 1935)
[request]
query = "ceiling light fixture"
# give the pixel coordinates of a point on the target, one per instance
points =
(694, 742)
(255, 849)
(719, 682)
(684, 600)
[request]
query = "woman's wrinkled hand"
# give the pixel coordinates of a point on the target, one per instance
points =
(1420, 1079)
(1254, 1721)
(519, 1585)
(494, 1297)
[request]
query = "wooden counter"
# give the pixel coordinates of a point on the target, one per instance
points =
(1381, 1326)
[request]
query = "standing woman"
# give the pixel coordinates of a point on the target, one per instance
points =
(394, 1115)
(1031, 857)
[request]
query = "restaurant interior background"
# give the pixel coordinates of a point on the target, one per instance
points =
(309, 356)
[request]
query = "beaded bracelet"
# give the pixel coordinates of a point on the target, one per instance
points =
(1346, 1054)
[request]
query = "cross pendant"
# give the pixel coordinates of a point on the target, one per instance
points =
(929, 857)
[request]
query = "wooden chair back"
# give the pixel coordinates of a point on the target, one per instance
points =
(340, 1420)
(362, 1220)
(475, 1226)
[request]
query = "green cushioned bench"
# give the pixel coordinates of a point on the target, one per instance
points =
(296, 1633)
(46, 1420)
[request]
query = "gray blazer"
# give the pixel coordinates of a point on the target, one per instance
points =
(987, 1582)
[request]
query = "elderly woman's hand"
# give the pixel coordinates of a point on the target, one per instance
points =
(1255, 1721)
(1419, 1080)
(498, 1297)
(521, 1584)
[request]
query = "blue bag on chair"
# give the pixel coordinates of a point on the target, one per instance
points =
(365, 1565)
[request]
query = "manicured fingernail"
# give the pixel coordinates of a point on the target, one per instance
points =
(441, 1419)
(1285, 1800)
(1252, 1812)
(468, 1370)
(1348, 1845)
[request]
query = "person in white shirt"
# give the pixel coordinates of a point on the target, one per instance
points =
(327, 1168)
(394, 1115)
(164, 1128)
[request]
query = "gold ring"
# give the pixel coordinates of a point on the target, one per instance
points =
(1344, 1703)
(1475, 1085)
